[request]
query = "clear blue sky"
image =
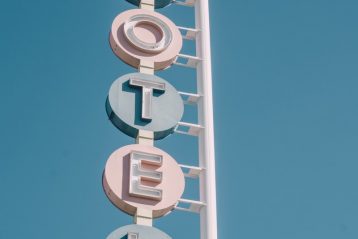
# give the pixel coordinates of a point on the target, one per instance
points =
(286, 112)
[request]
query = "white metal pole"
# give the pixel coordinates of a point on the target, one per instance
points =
(208, 217)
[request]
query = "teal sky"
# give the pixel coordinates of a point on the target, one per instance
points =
(285, 77)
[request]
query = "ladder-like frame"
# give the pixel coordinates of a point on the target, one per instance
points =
(204, 130)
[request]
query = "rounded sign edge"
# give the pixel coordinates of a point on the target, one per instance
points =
(131, 209)
(158, 3)
(131, 129)
(153, 232)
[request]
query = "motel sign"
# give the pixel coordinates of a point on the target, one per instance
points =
(140, 179)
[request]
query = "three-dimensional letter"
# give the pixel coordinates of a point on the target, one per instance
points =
(147, 93)
(141, 169)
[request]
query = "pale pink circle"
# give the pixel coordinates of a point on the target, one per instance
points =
(132, 55)
(148, 32)
(116, 181)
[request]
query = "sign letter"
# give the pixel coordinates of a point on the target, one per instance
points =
(132, 235)
(147, 94)
(141, 165)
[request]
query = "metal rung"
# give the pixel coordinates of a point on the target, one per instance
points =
(188, 129)
(189, 98)
(188, 3)
(188, 61)
(188, 33)
(191, 171)
(194, 206)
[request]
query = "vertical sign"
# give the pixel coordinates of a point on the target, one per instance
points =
(140, 179)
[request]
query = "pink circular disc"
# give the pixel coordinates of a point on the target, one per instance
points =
(145, 177)
(141, 34)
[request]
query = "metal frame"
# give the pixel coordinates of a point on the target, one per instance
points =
(204, 130)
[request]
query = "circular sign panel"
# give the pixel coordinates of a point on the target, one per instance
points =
(140, 101)
(141, 34)
(138, 232)
(145, 177)
(158, 3)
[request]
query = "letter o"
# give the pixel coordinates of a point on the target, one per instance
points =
(141, 34)
(162, 29)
